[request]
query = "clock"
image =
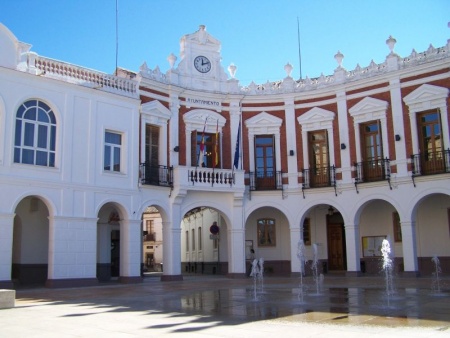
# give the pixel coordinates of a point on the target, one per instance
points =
(202, 64)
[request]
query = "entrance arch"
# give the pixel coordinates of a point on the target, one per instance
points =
(108, 242)
(267, 233)
(204, 242)
(30, 242)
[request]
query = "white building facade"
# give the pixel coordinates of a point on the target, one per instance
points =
(341, 161)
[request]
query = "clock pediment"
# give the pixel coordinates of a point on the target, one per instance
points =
(202, 39)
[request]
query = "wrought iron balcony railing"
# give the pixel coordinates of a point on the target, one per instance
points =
(265, 180)
(156, 175)
(150, 237)
(319, 177)
(373, 171)
(430, 163)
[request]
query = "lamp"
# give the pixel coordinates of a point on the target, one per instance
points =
(330, 211)
(176, 149)
(397, 137)
(343, 146)
(291, 152)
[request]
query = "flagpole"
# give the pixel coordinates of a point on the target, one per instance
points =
(215, 159)
(299, 49)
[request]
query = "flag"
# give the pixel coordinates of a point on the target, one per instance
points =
(201, 155)
(216, 146)
(236, 152)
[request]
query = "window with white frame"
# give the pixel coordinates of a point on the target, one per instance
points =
(35, 134)
(113, 149)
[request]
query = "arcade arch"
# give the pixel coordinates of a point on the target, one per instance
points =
(30, 251)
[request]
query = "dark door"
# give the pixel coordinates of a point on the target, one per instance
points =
(336, 246)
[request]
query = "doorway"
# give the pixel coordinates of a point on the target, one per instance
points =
(337, 257)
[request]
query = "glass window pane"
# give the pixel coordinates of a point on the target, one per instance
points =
(18, 132)
(20, 111)
(43, 106)
(116, 159)
(30, 114)
(41, 158)
(52, 117)
(30, 103)
(28, 138)
(42, 116)
(107, 160)
(53, 138)
(51, 161)
(17, 155)
(113, 138)
(27, 156)
(42, 137)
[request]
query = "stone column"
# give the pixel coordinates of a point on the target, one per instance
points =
(342, 115)
(130, 251)
(411, 266)
(352, 242)
(6, 247)
(103, 251)
(295, 238)
(174, 132)
(291, 142)
(172, 244)
(236, 240)
(399, 127)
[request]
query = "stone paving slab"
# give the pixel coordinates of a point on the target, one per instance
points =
(207, 306)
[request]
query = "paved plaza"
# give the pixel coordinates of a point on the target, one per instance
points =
(215, 306)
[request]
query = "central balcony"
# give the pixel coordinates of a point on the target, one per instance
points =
(208, 178)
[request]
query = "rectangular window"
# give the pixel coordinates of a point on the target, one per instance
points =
(187, 240)
(306, 232)
(397, 227)
(200, 238)
(430, 142)
(193, 239)
(319, 174)
(266, 232)
(113, 149)
(372, 151)
(206, 150)
(265, 170)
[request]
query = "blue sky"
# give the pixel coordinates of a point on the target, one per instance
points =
(258, 36)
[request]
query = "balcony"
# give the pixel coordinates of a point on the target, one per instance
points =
(431, 163)
(156, 175)
(319, 177)
(211, 177)
(373, 171)
(265, 180)
(150, 237)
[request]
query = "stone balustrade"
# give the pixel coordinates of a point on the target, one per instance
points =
(78, 75)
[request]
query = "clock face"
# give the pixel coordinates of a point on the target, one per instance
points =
(202, 64)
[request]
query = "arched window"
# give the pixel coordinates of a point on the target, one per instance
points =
(35, 137)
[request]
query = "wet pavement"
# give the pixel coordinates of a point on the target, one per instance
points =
(214, 306)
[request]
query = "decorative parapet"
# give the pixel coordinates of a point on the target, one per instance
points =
(67, 72)
(392, 63)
